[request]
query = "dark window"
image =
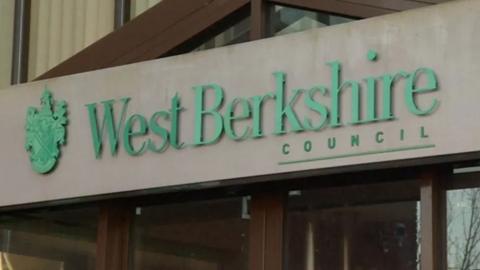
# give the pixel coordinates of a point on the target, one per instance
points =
(286, 20)
(206, 235)
(236, 33)
(366, 227)
(49, 239)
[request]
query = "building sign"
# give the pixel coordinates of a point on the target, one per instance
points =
(325, 102)
(379, 90)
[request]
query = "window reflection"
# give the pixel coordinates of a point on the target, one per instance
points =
(237, 33)
(137, 7)
(463, 227)
(285, 20)
(370, 227)
(206, 235)
(48, 239)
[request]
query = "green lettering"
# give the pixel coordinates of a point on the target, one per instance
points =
(337, 86)
(317, 107)
(284, 110)
(230, 117)
(388, 83)
(200, 112)
(355, 140)
(411, 91)
(332, 142)
(257, 102)
(175, 110)
(423, 134)
(379, 137)
(108, 125)
(160, 131)
(286, 149)
(307, 146)
(129, 133)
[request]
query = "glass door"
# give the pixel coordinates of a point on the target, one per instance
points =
(364, 227)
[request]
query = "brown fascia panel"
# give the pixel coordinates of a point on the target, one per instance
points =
(151, 35)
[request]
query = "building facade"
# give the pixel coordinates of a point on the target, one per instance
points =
(239, 134)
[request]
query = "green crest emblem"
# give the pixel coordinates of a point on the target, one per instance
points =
(45, 132)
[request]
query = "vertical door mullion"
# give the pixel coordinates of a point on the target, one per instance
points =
(266, 232)
(433, 218)
(113, 236)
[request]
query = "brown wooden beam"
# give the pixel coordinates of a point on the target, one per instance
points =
(258, 19)
(464, 180)
(184, 30)
(151, 35)
(113, 236)
(433, 218)
(266, 232)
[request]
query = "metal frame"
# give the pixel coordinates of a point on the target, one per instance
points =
(122, 13)
(21, 41)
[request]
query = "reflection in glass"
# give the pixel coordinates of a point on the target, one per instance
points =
(285, 20)
(137, 7)
(7, 9)
(61, 28)
(237, 33)
(48, 239)
(207, 235)
(463, 227)
(370, 227)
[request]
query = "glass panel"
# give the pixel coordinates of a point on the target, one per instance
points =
(7, 10)
(237, 33)
(463, 227)
(203, 235)
(139, 6)
(368, 227)
(286, 20)
(61, 28)
(48, 239)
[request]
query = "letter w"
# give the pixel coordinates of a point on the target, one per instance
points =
(108, 123)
